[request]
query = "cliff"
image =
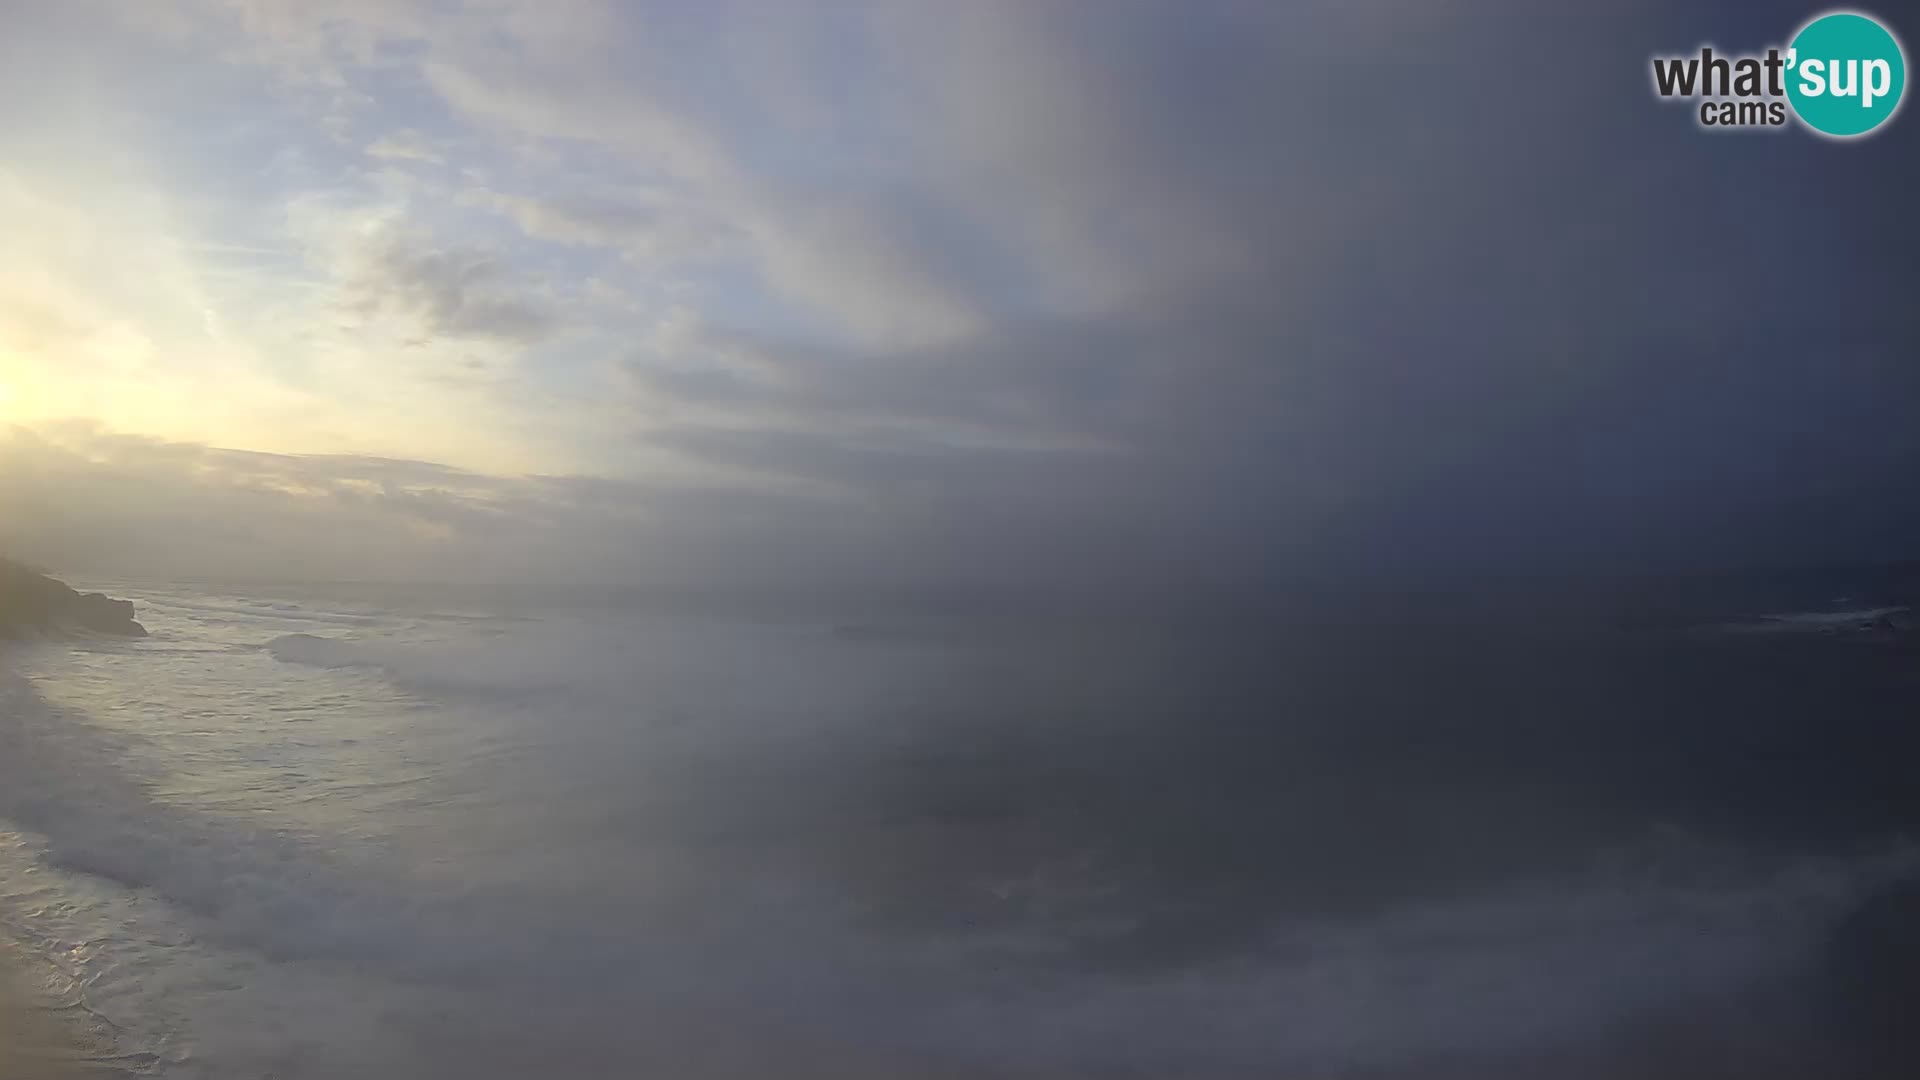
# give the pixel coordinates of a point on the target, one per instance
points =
(34, 605)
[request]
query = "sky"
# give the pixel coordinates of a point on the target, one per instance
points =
(902, 291)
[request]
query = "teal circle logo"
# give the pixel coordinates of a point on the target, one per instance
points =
(1845, 74)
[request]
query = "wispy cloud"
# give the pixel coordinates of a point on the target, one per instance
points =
(445, 291)
(80, 496)
(406, 144)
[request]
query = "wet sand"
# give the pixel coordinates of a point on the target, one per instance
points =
(38, 1040)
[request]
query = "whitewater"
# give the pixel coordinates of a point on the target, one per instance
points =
(323, 831)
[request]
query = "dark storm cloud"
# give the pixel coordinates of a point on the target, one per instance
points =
(1436, 292)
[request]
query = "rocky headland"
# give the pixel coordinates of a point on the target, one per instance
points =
(33, 605)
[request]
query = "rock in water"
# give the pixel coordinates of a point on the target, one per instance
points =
(34, 605)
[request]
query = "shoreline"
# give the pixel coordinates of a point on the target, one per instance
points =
(38, 1040)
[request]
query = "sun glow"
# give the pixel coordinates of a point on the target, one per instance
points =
(12, 391)
(22, 394)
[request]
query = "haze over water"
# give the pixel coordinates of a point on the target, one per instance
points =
(903, 538)
(319, 831)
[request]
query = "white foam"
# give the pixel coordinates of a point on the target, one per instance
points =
(1814, 622)
(253, 610)
(320, 652)
(1826, 619)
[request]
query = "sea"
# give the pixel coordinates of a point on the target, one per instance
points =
(321, 831)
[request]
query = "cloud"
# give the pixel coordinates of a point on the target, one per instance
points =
(1035, 289)
(78, 496)
(406, 145)
(648, 227)
(858, 260)
(84, 499)
(450, 292)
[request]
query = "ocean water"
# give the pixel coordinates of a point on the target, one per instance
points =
(307, 831)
